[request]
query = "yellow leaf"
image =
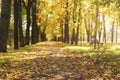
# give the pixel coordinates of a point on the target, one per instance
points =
(93, 71)
(9, 76)
(106, 76)
(100, 1)
(118, 74)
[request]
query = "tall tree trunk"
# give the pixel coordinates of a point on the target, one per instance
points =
(28, 9)
(96, 25)
(99, 34)
(73, 37)
(117, 22)
(116, 32)
(112, 32)
(66, 26)
(35, 29)
(66, 35)
(61, 27)
(76, 36)
(87, 27)
(43, 34)
(15, 24)
(4, 24)
(99, 31)
(27, 37)
(104, 27)
(22, 44)
(79, 24)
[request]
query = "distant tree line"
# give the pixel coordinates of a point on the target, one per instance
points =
(76, 19)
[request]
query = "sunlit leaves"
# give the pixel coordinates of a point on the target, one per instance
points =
(51, 60)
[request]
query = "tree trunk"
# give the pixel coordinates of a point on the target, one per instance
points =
(76, 36)
(61, 27)
(79, 26)
(43, 34)
(99, 31)
(73, 37)
(66, 35)
(15, 24)
(104, 27)
(96, 26)
(4, 24)
(66, 26)
(87, 27)
(99, 34)
(117, 31)
(27, 37)
(22, 44)
(28, 9)
(35, 29)
(112, 32)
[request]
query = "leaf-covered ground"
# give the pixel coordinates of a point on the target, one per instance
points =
(52, 61)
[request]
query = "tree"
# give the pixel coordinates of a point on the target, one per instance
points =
(88, 30)
(35, 28)
(28, 5)
(104, 34)
(61, 27)
(79, 25)
(21, 37)
(15, 24)
(76, 35)
(66, 25)
(96, 24)
(117, 25)
(41, 23)
(18, 31)
(73, 37)
(112, 32)
(43, 34)
(4, 24)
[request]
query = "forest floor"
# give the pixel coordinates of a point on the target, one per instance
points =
(58, 61)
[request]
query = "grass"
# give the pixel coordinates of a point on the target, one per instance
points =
(110, 51)
(107, 55)
(104, 55)
(27, 50)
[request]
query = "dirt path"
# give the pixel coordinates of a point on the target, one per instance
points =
(49, 61)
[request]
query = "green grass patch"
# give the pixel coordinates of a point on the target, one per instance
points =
(107, 55)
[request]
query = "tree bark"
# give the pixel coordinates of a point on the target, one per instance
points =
(96, 26)
(43, 34)
(35, 29)
(28, 9)
(15, 24)
(22, 44)
(117, 22)
(27, 37)
(73, 37)
(104, 27)
(76, 36)
(112, 32)
(66, 26)
(4, 24)
(61, 27)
